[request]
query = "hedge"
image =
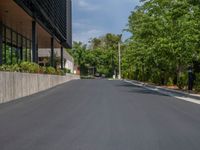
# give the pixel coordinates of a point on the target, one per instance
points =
(29, 67)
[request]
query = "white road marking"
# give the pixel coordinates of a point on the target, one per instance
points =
(188, 99)
(192, 100)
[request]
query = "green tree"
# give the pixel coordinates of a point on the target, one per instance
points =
(164, 39)
(78, 51)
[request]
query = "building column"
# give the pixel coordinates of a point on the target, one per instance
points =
(34, 42)
(17, 45)
(52, 52)
(21, 49)
(37, 58)
(30, 53)
(5, 47)
(26, 53)
(1, 43)
(61, 58)
(11, 46)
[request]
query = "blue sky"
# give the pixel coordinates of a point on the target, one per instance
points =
(93, 18)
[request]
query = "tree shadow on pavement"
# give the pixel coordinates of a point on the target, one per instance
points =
(137, 89)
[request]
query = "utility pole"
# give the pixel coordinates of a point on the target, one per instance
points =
(119, 52)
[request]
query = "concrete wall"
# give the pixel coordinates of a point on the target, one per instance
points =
(14, 85)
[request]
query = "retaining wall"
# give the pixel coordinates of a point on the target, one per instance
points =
(14, 85)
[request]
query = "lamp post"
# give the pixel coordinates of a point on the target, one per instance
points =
(119, 54)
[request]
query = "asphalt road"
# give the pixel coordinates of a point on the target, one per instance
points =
(99, 115)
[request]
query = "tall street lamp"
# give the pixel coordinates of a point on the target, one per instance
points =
(119, 54)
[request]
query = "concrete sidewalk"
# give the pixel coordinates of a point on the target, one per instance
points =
(195, 98)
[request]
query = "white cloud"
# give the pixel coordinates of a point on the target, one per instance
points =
(82, 25)
(85, 5)
(77, 25)
(84, 36)
(94, 18)
(83, 30)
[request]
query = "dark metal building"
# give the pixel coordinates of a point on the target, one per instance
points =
(28, 25)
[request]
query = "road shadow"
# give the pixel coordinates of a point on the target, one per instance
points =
(138, 89)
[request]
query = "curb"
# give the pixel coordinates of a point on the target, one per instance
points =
(163, 90)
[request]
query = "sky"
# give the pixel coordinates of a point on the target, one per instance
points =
(94, 18)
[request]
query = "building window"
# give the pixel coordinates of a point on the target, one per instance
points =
(16, 47)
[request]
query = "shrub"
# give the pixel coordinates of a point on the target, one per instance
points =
(197, 82)
(25, 67)
(170, 82)
(182, 81)
(50, 70)
(29, 67)
(87, 77)
(60, 72)
(4, 68)
(13, 68)
(66, 70)
(34, 68)
(41, 70)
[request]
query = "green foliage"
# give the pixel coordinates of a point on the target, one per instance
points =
(197, 82)
(182, 81)
(60, 72)
(170, 82)
(101, 54)
(66, 70)
(29, 67)
(50, 70)
(87, 77)
(13, 68)
(164, 42)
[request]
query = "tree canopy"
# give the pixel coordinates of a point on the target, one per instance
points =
(164, 43)
(165, 39)
(100, 55)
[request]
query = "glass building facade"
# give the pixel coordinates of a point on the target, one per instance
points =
(14, 46)
(53, 16)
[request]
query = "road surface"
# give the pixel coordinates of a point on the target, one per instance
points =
(99, 115)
